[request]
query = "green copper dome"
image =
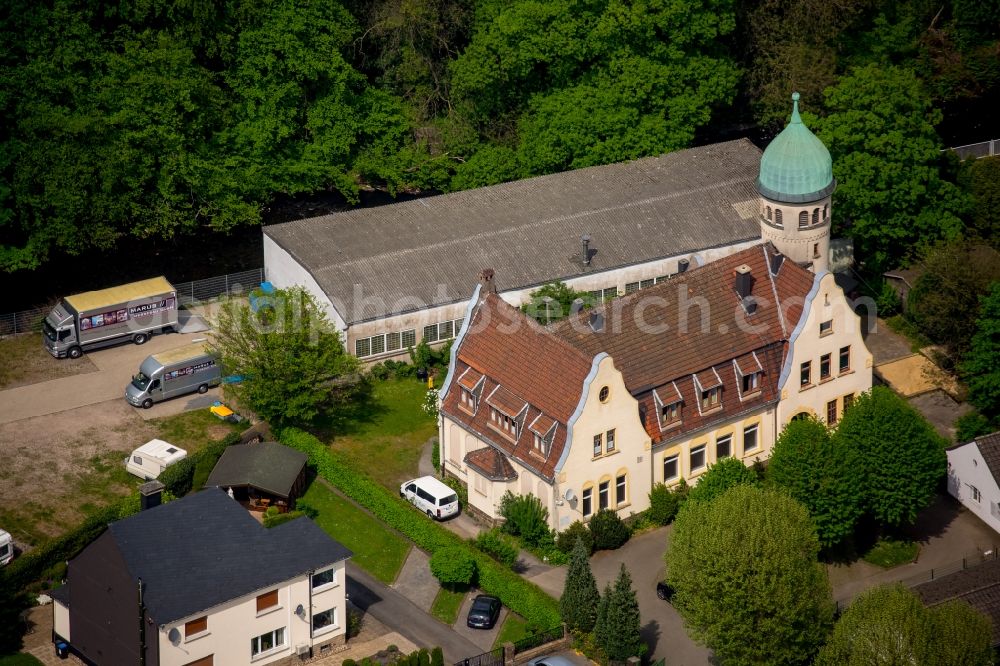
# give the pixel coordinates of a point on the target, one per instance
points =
(796, 167)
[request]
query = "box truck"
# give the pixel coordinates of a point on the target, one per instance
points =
(172, 373)
(96, 319)
(147, 461)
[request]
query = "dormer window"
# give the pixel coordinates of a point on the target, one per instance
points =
(671, 413)
(751, 383)
(468, 400)
(711, 398)
(505, 424)
(541, 446)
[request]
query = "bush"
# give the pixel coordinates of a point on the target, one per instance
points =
(354, 618)
(608, 529)
(525, 517)
(436, 455)
(185, 475)
(498, 546)
(453, 566)
(437, 657)
(306, 509)
(971, 425)
(424, 658)
(566, 540)
(350, 662)
(275, 519)
(521, 596)
(887, 301)
(720, 477)
(460, 489)
(663, 504)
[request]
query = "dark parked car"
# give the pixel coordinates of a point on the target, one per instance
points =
(664, 591)
(484, 612)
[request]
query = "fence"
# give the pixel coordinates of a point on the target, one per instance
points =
(494, 657)
(539, 639)
(28, 321)
(977, 150)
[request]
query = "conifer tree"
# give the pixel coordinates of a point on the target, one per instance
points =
(601, 635)
(580, 598)
(619, 637)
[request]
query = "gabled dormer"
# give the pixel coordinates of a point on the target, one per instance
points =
(708, 386)
(470, 386)
(507, 413)
(669, 406)
(543, 431)
(749, 375)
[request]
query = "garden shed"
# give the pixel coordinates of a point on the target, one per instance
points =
(261, 475)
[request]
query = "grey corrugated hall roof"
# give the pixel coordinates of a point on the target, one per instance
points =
(529, 230)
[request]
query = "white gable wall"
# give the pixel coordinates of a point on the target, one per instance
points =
(967, 472)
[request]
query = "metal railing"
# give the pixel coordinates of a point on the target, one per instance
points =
(188, 293)
(977, 150)
(539, 639)
(494, 657)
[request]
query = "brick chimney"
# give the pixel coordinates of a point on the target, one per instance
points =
(150, 495)
(486, 282)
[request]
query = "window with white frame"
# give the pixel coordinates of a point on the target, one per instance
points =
(598, 444)
(609, 441)
(976, 495)
(603, 494)
(431, 333)
(671, 469)
(631, 287)
(751, 383)
(710, 398)
(610, 292)
(387, 342)
(621, 488)
(723, 447)
(468, 400)
(503, 423)
(268, 642)
(587, 501)
(324, 577)
(697, 458)
(408, 338)
(325, 620)
(671, 413)
(444, 330)
(643, 284)
(750, 442)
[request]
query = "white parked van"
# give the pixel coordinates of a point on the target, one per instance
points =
(6, 548)
(147, 461)
(430, 496)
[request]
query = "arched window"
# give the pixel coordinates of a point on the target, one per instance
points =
(777, 216)
(769, 213)
(801, 416)
(815, 215)
(803, 219)
(826, 212)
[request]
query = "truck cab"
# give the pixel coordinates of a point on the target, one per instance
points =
(59, 333)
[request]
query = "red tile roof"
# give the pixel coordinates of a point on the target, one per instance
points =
(491, 463)
(505, 401)
(469, 379)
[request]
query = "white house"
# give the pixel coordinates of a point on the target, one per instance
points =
(974, 477)
(199, 582)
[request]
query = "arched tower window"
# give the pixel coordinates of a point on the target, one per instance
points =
(769, 213)
(826, 212)
(815, 215)
(777, 216)
(803, 219)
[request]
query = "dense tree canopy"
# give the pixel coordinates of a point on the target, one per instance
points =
(981, 367)
(889, 625)
(720, 477)
(746, 578)
(806, 464)
(901, 457)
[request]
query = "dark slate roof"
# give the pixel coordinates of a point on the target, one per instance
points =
(635, 212)
(205, 549)
(270, 467)
(60, 593)
(989, 447)
(979, 586)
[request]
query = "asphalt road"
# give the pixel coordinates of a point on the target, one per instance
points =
(394, 610)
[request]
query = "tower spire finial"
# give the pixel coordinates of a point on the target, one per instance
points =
(796, 119)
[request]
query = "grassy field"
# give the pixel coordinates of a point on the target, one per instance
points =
(888, 553)
(377, 550)
(386, 435)
(193, 430)
(24, 361)
(446, 605)
(514, 629)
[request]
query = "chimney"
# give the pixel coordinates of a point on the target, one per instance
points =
(776, 262)
(576, 306)
(744, 281)
(585, 239)
(486, 281)
(150, 495)
(596, 322)
(682, 265)
(750, 304)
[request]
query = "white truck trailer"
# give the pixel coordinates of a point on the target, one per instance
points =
(96, 319)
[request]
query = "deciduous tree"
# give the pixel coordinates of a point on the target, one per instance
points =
(746, 579)
(291, 358)
(901, 456)
(821, 475)
(720, 477)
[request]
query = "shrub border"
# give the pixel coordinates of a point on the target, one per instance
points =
(519, 595)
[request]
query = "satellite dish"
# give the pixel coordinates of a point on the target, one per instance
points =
(569, 495)
(174, 636)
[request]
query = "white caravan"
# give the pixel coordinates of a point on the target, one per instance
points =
(147, 461)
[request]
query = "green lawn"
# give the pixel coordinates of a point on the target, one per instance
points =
(194, 429)
(514, 629)
(376, 550)
(19, 660)
(888, 553)
(447, 604)
(386, 435)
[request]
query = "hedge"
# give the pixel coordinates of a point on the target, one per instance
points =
(521, 596)
(31, 566)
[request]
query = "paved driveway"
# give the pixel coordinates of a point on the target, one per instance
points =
(396, 611)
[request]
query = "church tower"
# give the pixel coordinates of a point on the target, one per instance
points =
(795, 186)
